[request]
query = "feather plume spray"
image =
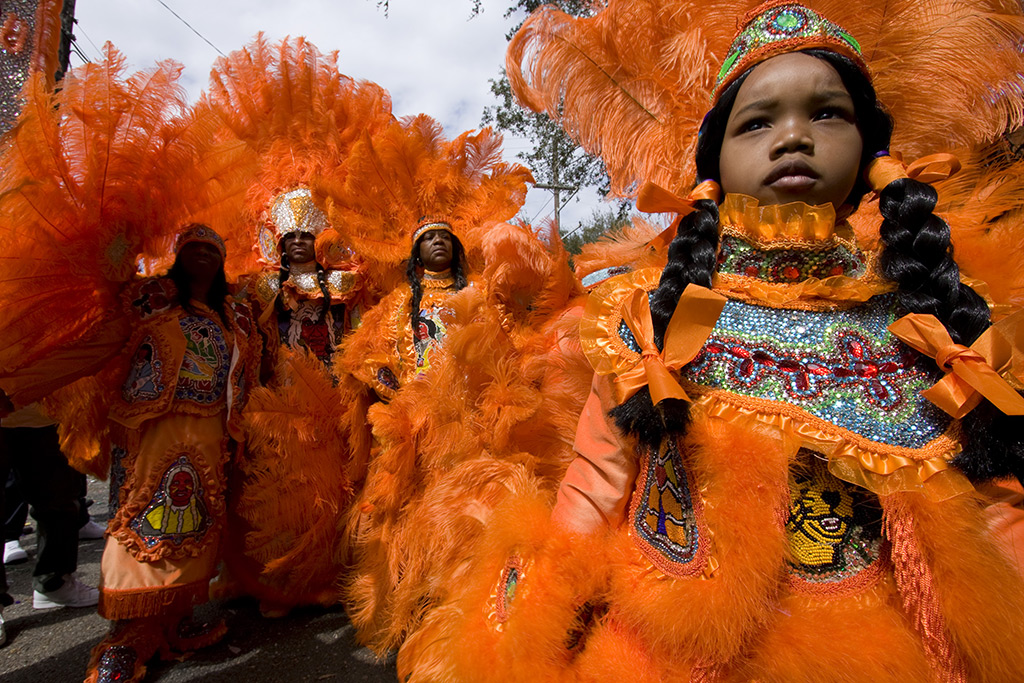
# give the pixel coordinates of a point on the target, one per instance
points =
(410, 171)
(295, 118)
(297, 485)
(984, 206)
(632, 82)
(93, 177)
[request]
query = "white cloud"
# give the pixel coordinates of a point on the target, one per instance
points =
(430, 55)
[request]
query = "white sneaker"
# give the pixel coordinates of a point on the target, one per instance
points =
(13, 552)
(73, 593)
(3, 632)
(91, 531)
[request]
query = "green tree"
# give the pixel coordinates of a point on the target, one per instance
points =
(600, 223)
(555, 159)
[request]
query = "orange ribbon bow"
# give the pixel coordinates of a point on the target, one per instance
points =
(929, 169)
(691, 324)
(656, 199)
(971, 372)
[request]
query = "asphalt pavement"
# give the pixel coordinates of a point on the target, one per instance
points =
(310, 644)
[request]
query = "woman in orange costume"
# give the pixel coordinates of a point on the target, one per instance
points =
(291, 119)
(194, 352)
(410, 324)
(97, 178)
(761, 492)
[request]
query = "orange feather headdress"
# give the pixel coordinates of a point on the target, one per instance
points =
(410, 171)
(632, 83)
(94, 177)
(295, 118)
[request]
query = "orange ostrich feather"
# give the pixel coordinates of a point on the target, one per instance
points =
(290, 114)
(632, 82)
(93, 178)
(410, 171)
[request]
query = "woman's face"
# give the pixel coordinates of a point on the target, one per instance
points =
(201, 260)
(792, 134)
(436, 249)
(299, 247)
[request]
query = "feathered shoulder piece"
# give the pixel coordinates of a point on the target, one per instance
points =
(411, 171)
(292, 119)
(633, 81)
(93, 177)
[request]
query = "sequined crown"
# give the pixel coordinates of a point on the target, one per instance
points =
(200, 233)
(432, 223)
(294, 211)
(778, 27)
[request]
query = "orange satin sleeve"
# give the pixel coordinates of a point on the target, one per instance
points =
(41, 378)
(595, 491)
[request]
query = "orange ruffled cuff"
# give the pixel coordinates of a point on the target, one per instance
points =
(880, 473)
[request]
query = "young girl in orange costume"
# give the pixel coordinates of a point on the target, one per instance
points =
(762, 492)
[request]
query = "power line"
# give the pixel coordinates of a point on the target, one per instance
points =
(191, 27)
(78, 52)
(82, 31)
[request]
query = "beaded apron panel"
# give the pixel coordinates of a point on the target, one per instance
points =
(834, 530)
(667, 519)
(841, 366)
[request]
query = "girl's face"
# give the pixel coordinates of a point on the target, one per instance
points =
(792, 134)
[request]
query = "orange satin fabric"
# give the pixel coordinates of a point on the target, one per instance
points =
(971, 372)
(929, 169)
(656, 199)
(693, 320)
(594, 493)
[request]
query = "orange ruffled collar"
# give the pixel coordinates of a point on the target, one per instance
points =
(783, 225)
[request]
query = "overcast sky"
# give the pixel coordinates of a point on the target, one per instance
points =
(431, 55)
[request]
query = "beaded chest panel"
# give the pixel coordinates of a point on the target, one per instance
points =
(834, 528)
(204, 369)
(841, 366)
(667, 519)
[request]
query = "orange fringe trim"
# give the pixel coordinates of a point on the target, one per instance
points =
(147, 602)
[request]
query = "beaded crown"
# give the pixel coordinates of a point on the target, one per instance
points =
(432, 223)
(200, 233)
(778, 27)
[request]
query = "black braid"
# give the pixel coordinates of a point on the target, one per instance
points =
(919, 258)
(321, 279)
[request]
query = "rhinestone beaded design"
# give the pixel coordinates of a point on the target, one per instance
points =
(17, 43)
(782, 28)
(116, 664)
(737, 257)
(841, 366)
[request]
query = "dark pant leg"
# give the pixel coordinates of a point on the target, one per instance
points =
(5, 597)
(15, 509)
(53, 490)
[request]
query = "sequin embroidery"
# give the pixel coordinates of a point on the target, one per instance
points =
(116, 664)
(511, 576)
(117, 475)
(840, 366)
(178, 510)
(667, 521)
(204, 369)
(143, 382)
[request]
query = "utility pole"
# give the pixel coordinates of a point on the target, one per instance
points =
(554, 185)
